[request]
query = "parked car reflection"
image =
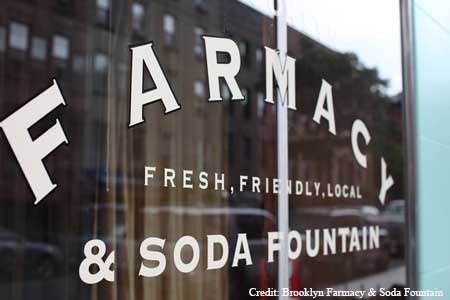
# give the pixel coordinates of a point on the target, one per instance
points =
(326, 270)
(41, 260)
(393, 219)
(253, 221)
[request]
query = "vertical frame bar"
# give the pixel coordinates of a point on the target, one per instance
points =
(409, 138)
(282, 154)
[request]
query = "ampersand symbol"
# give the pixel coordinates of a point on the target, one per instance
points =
(104, 267)
(372, 293)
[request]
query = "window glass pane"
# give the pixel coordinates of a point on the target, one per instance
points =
(198, 48)
(2, 39)
(102, 12)
(243, 48)
(18, 36)
(225, 92)
(245, 94)
(259, 56)
(101, 192)
(38, 48)
(357, 71)
(260, 104)
(169, 24)
(169, 27)
(199, 88)
(138, 16)
(201, 6)
(101, 63)
(78, 63)
(138, 10)
(60, 47)
(103, 4)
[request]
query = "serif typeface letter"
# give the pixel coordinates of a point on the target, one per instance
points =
(29, 152)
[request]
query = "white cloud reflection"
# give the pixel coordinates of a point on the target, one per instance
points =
(368, 28)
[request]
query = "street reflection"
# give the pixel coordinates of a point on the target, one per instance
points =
(85, 46)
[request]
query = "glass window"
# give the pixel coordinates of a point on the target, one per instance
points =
(100, 175)
(362, 67)
(101, 193)
(260, 104)
(259, 56)
(60, 47)
(169, 26)
(243, 49)
(101, 63)
(244, 92)
(78, 63)
(137, 11)
(103, 11)
(101, 66)
(199, 88)
(38, 48)
(2, 39)
(18, 36)
(246, 103)
(103, 4)
(226, 94)
(200, 5)
(198, 47)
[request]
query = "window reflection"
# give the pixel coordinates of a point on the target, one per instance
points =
(198, 46)
(102, 13)
(137, 10)
(101, 172)
(358, 92)
(38, 48)
(199, 88)
(2, 39)
(60, 48)
(18, 36)
(169, 30)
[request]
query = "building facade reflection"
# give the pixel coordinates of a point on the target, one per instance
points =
(85, 46)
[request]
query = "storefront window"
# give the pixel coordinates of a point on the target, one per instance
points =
(160, 185)
(362, 66)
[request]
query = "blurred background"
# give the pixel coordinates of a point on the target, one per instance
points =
(85, 46)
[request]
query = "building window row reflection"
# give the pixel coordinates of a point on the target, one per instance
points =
(20, 39)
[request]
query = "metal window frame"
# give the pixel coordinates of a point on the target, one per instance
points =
(409, 131)
(282, 152)
(409, 140)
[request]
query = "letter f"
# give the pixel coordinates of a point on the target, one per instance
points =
(29, 152)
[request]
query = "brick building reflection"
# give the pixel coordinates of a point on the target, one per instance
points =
(84, 45)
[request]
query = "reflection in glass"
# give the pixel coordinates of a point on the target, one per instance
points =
(18, 36)
(38, 48)
(60, 47)
(100, 174)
